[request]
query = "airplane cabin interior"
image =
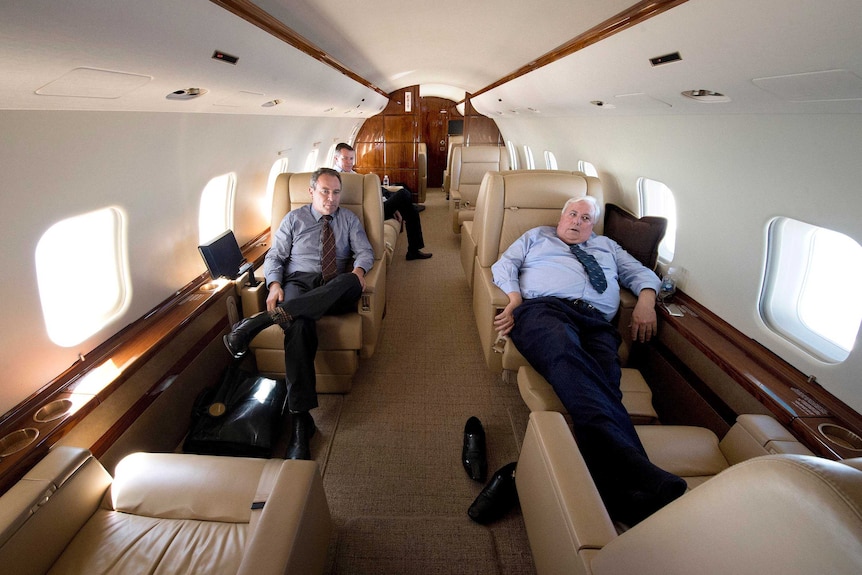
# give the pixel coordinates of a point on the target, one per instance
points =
(156, 154)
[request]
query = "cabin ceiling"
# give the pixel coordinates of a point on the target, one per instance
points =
(769, 56)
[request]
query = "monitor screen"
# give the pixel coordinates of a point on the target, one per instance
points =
(222, 256)
(456, 127)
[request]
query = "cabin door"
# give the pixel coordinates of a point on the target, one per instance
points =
(436, 113)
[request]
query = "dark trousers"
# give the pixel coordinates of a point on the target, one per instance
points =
(402, 202)
(576, 349)
(307, 299)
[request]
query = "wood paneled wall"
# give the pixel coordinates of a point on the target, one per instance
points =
(388, 143)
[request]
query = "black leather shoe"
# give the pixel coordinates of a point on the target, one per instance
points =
(418, 255)
(497, 498)
(473, 454)
(303, 431)
(244, 331)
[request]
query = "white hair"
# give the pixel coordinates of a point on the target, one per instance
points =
(595, 209)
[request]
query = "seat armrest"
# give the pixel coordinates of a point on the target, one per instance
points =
(253, 299)
(488, 300)
(292, 534)
(754, 434)
(565, 517)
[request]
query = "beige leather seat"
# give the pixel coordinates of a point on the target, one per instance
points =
(165, 513)
(513, 203)
(423, 172)
(746, 511)
(342, 338)
(468, 236)
(454, 141)
(469, 165)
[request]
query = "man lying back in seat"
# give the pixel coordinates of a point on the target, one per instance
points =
(563, 288)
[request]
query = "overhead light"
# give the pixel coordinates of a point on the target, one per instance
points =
(707, 96)
(186, 94)
(272, 103)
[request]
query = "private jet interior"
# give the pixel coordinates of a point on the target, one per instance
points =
(721, 139)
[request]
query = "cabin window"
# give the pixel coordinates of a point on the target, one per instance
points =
(513, 154)
(216, 210)
(82, 275)
(278, 168)
(807, 294)
(311, 160)
(550, 160)
(656, 199)
(528, 156)
(587, 168)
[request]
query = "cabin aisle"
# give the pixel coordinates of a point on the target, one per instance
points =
(390, 450)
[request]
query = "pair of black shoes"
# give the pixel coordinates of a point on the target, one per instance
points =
(500, 494)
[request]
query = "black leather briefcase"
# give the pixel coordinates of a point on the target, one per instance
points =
(240, 416)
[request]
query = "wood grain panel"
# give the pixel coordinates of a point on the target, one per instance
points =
(400, 155)
(401, 128)
(369, 155)
(371, 130)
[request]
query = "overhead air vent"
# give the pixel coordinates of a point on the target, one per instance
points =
(666, 59)
(706, 96)
(223, 57)
(186, 94)
(272, 103)
(602, 104)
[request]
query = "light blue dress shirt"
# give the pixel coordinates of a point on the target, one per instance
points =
(296, 246)
(539, 264)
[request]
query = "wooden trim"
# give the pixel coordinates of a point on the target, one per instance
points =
(640, 12)
(101, 446)
(129, 350)
(252, 13)
(795, 399)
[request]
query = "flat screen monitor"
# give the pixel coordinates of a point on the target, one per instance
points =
(456, 127)
(223, 256)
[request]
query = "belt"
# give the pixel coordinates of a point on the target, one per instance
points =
(583, 304)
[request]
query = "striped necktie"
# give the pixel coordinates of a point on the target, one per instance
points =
(327, 254)
(594, 270)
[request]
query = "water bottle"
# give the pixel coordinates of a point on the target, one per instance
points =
(667, 289)
(385, 180)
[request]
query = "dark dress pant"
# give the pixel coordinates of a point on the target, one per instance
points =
(307, 299)
(576, 349)
(402, 202)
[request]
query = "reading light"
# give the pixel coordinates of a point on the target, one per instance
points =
(186, 94)
(706, 96)
(272, 103)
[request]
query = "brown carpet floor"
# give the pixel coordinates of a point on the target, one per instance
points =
(390, 449)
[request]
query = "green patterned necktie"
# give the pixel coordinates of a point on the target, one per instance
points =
(594, 270)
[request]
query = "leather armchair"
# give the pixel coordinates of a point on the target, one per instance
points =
(165, 513)
(469, 165)
(343, 339)
(746, 511)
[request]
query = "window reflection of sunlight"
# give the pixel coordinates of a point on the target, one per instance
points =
(826, 305)
(82, 271)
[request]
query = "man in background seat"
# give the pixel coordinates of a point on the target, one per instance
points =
(558, 316)
(300, 292)
(397, 204)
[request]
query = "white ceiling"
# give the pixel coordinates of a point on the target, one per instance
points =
(468, 44)
(128, 55)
